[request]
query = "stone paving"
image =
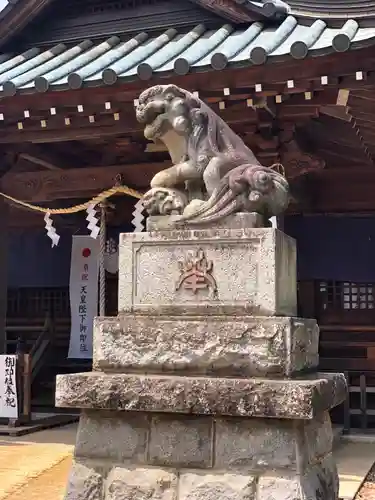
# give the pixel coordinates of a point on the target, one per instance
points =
(367, 491)
(354, 460)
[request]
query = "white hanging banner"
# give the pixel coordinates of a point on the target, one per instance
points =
(8, 387)
(84, 272)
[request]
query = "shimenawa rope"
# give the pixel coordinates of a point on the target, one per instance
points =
(76, 208)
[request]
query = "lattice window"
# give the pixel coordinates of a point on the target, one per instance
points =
(346, 295)
(329, 294)
(36, 302)
(14, 302)
(358, 296)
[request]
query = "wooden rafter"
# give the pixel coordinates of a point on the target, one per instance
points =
(228, 9)
(337, 190)
(296, 161)
(95, 122)
(38, 161)
(17, 14)
(339, 112)
(50, 158)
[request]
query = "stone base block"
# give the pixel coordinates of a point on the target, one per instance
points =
(241, 220)
(286, 398)
(208, 271)
(223, 346)
(128, 455)
(89, 481)
(321, 482)
(217, 443)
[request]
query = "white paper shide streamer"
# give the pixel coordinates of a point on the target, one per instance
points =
(93, 222)
(51, 231)
(273, 221)
(138, 221)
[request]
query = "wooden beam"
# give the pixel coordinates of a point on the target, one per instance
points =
(56, 156)
(300, 113)
(368, 135)
(346, 143)
(39, 161)
(106, 126)
(363, 116)
(228, 10)
(314, 98)
(77, 182)
(332, 132)
(344, 157)
(347, 174)
(61, 135)
(339, 112)
(16, 14)
(365, 125)
(339, 190)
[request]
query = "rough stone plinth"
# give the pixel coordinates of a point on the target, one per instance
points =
(129, 484)
(244, 220)
(85, 483)
(121, 455)
(225, 346)
(250, 271)
(124, 482)
(290, 399)
(213, 442)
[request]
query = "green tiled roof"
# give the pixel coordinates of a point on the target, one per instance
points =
(172, 52)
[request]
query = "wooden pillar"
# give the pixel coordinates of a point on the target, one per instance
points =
(306, 296)
(280, 222)
(4, 211)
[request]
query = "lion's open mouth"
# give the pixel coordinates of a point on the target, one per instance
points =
(147, 113)
(158, 127)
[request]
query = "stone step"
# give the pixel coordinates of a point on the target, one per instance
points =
(283, 399)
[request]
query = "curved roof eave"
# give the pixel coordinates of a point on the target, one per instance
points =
(145, 55)
(17, 14)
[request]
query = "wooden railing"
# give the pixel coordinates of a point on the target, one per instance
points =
(31, 344)
(362, 409)
(357, 412)
(39, 347)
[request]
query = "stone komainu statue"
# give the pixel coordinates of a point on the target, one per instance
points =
(214, 174)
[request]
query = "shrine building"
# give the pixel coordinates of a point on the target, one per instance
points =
(294, 79)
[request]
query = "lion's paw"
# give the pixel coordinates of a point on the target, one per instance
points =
(193, 207)
(164, 201)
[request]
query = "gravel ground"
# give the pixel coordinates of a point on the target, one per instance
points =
(367, 491)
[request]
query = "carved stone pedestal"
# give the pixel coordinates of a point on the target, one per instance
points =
(205, 386)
